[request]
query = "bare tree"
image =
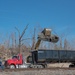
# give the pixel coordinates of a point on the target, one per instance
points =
(21, 36)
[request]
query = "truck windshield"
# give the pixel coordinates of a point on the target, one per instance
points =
(14, 57)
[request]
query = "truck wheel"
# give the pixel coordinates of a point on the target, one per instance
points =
(40, 66)
(71, 66)
(12, 67)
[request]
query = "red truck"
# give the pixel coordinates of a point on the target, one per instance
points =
(16, 62)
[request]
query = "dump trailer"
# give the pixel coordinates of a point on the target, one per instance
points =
(43, 57)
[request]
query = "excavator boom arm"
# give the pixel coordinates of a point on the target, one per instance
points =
(37, 44)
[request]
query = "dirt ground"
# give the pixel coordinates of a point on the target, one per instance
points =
(41, 72)
(44, 72)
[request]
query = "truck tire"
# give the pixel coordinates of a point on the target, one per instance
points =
(37, 66)
(71, 66)
(12, 67)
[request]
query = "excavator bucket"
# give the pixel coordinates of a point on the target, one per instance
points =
(46, 35)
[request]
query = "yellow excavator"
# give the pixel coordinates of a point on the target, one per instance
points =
(46, 35)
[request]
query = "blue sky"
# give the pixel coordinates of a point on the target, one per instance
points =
(56, 14)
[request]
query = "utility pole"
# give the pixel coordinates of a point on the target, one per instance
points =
(21, 35)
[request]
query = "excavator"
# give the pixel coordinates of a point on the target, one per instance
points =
(46, 35)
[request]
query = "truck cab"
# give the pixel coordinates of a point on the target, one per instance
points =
(14, 61)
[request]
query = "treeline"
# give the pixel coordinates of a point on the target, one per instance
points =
(10, 46)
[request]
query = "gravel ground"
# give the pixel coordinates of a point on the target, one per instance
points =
(41, 72)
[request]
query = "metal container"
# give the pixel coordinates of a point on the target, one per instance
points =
(53, 56)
